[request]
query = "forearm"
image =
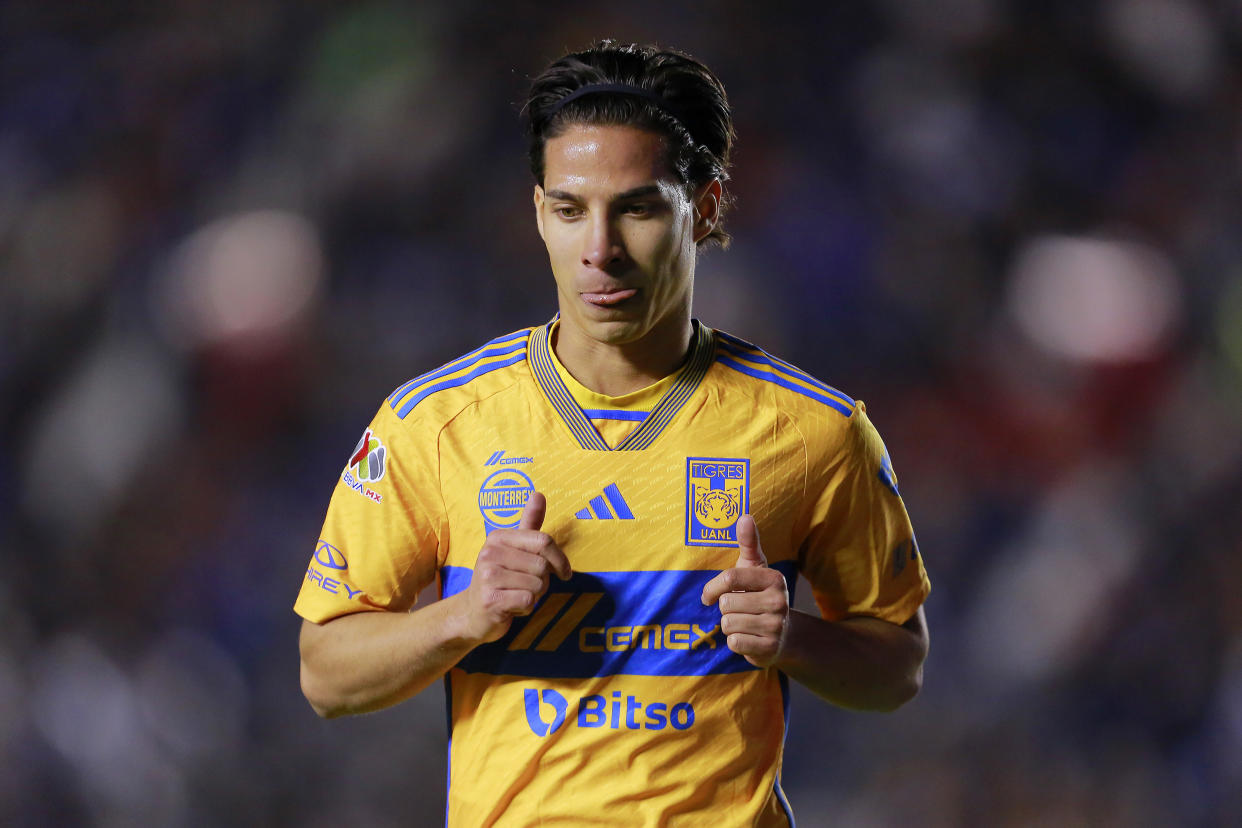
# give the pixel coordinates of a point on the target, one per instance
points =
(370, 660)
(859, 663)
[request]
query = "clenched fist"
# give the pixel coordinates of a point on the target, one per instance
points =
(512, 573)
(753, 599)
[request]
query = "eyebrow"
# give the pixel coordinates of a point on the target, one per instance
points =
(636, 192)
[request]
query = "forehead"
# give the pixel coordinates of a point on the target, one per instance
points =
(589, 156)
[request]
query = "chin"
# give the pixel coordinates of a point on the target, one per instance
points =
(618, 332)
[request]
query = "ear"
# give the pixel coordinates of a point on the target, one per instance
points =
(707, 209)
(539, 210)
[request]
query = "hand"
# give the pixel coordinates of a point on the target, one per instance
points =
(754, 600)
(512, 573)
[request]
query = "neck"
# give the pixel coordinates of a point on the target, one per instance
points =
(617, 369)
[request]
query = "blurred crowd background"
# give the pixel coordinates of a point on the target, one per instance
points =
(228, 230)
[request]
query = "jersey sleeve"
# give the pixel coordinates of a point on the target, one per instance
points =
(859, 553)
(381, 538)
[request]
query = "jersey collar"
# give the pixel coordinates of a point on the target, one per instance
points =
(702, 349)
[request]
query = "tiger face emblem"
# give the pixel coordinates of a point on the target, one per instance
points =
(718, 509)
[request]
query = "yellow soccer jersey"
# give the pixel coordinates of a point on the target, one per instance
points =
(616, 701)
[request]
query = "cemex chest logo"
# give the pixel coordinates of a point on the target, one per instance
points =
(570, 610)
(366, 465)
(616, 713)
(635, 623)
(717, 494)
(498, 459)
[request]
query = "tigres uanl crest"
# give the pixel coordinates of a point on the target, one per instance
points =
(717, 494)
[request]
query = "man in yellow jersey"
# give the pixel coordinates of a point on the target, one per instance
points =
(616, 505)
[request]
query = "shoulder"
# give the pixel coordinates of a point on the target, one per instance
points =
(443, 393)
(834, 425)
(752, 370)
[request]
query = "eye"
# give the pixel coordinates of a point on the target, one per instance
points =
(637, 209)
(567, 211)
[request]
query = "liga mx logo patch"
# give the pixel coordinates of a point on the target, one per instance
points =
(717, 494)
(367, 461)
(366, 465)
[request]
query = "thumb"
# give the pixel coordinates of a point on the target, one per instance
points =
(532, 514)
(750, 553)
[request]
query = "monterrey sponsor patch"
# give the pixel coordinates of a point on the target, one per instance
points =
(502, 497)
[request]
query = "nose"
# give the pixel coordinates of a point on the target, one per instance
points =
(602, 247)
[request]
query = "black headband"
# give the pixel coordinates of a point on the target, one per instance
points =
(614, 89)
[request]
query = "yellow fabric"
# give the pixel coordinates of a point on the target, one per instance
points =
(616, 702)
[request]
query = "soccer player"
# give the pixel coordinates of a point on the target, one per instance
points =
(616, 505)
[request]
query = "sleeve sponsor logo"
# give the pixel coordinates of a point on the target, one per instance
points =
(366, 465)
(502, 497)
(329, 578)
(717, 494)
(904, 552)
(628, 713)
(336, 586)
(328, 555)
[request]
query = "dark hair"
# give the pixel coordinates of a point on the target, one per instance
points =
(684, 102)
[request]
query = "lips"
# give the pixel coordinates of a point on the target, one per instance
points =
(608, 298)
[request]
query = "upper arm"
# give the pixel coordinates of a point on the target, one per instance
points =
(315, 638)
(858, 551)
(917, 626)
(380, 540)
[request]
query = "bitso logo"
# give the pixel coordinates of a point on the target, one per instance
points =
(717, 494)
(501, 498)
(534, 717)
(624, 713)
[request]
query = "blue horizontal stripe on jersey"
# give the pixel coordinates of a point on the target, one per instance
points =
(773, 377)
(491, 348)
(614, 414)
(633, 615)
(742, 348)
(479, 371)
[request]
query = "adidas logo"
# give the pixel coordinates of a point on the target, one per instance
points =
(598, 508)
